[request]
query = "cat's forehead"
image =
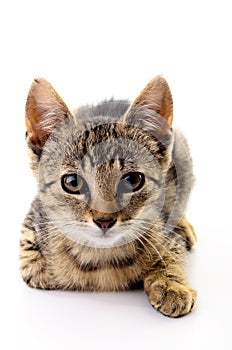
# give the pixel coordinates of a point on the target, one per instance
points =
(109, 146)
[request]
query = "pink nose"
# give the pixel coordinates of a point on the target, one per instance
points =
(105, 222)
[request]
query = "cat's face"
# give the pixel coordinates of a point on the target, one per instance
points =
(102, 182)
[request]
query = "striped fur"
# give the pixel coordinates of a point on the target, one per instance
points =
(61, 247)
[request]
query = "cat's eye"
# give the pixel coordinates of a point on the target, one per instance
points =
(73, 183)
(131, 182)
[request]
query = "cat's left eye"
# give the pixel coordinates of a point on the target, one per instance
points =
(131, 182)
(74, 184)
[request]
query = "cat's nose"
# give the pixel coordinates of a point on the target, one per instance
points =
(104, 222)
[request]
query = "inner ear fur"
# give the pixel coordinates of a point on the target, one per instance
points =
(44, 111)
(157, 96)
(153, 108)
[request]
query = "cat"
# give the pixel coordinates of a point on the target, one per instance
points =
(113, 184)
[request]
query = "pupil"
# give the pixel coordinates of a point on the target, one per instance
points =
(73, 182)
(133, 180)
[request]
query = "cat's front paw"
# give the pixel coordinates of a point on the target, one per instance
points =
(172, 298)
(33, 265)
(35, 274)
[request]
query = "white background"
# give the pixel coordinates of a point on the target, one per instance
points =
(90, 50)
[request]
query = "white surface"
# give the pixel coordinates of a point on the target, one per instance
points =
(89, 51)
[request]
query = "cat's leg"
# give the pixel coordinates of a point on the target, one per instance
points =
(168, 290)
(33, 265)
(186, 230)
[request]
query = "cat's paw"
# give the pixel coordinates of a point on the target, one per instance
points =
(34, 274)
(33, 265)
(186, 230)
(172, 298)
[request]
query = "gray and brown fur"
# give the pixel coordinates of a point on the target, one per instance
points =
(155, 253)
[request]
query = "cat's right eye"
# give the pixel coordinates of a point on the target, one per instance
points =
(131, 182)
(74, 184)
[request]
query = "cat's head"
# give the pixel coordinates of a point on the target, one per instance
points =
(101, 172)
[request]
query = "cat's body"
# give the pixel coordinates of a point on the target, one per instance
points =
(114, 181)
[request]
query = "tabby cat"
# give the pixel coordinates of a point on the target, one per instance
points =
(113, 184)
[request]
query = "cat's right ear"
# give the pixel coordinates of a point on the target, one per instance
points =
(45, 110)
(153, 110)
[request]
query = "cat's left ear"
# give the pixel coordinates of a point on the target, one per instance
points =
(44, 111)
(153, 108)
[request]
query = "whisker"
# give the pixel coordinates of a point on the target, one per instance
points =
(168, 251)
(155, 248)
(131, 234)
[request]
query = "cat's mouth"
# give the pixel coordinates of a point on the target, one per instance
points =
(106, 235)
(105, 232)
